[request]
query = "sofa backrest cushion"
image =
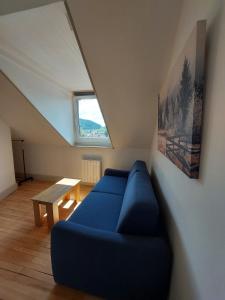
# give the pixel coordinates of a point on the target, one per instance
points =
(138, 166)
(139, 213)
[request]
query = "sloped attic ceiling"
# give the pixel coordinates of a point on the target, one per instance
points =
(43, 41)
(40, 55)
(127, 46)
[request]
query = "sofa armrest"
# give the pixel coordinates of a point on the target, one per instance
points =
(109, 264)
(118, 173)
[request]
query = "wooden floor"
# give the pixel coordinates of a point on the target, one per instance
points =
(25, 266)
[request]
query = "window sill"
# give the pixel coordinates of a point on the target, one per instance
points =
(94, 146)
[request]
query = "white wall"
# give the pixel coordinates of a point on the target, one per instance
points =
(196, 208)
(24, 120)
(51, 161)
(7, 176)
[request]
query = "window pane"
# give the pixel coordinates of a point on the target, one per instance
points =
(91, 122)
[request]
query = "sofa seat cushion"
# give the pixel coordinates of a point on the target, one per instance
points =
(140, 212)
(98, 210)
(112, 185)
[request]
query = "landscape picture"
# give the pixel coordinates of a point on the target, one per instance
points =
(180, 106)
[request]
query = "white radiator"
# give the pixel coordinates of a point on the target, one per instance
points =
(90, 171)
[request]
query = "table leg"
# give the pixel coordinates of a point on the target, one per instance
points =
(77, 192)
(74, 194)
(67, 196)
(37, 213)
(52, 214)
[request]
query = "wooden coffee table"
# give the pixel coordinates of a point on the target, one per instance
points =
(64, 189)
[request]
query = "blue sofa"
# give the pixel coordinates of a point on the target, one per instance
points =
(114, 245)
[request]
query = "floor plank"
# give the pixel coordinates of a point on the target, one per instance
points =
(25, 265)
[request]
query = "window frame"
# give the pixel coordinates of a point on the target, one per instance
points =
(104, 142)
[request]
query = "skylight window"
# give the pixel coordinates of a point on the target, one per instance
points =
(90, 126)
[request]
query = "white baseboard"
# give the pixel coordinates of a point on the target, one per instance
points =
(8, 191)
(45, 177)
(42, 177)
(54, 178)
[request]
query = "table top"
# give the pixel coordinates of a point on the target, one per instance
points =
(56, 191)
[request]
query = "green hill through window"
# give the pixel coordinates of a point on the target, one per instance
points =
(89, 128)
(88, 124)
